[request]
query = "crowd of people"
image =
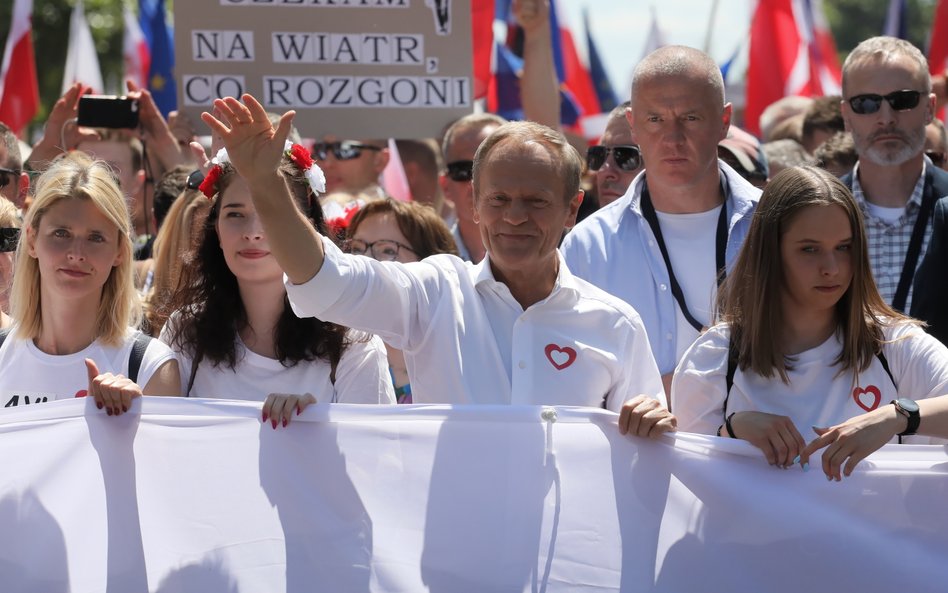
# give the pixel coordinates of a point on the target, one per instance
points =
(790, 291)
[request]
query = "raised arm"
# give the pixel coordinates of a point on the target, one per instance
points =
(255, 149)
(539, 87)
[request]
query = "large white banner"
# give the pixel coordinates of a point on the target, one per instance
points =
(200, 496)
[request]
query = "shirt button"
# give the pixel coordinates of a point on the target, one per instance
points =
(522, 364)
(663, 287)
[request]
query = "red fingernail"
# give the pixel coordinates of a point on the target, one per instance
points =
(299, 410)
(124, 408)
(108, 411)
(274, 423)
(285, 421)
(264, 416)
(98, 405)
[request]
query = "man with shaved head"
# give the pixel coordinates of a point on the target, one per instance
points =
(662, 245)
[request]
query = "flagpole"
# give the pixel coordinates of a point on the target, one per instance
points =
(707, 37)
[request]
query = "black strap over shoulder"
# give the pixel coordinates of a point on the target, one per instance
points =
(137, 355)
(935, 187)
(721, 236)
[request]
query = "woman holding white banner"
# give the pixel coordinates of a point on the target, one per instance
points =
(807, 341)
(233, 330)
(74, 303)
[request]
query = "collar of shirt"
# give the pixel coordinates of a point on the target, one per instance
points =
(484, 275)
(914, 202)
(741, 195)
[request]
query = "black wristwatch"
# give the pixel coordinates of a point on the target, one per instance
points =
(909, 409)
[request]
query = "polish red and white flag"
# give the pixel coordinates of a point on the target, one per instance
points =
(135, 53)
(19, 91)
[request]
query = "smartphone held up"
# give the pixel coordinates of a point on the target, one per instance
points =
(107, 111)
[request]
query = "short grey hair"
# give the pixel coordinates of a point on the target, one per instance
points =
(8, 140)
(882, 49)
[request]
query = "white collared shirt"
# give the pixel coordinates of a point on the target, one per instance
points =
(467, 340)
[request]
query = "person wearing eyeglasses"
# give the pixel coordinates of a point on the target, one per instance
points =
(616, 160)
(936, 143)
(14, 182)
(887, 102)
(663, 245)
(351, 166)
(459, 144)
(405, 232)
(518, 328)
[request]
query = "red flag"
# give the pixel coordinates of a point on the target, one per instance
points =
(482, 27)
(938, 51)
(135, 51)
(576, 76)
(19, 91)
(791, 53)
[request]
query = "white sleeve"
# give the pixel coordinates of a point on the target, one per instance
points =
(919, 362)
(157, 354)
(699, 387)
(389, 299)
(362, 375)
(168, 331)
(640, 374)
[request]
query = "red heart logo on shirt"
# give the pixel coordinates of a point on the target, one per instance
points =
(560, 358)
(861, 396)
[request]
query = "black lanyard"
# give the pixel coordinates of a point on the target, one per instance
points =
(720, 241)
(915, 245)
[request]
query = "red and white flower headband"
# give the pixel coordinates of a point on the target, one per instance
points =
(296, 153)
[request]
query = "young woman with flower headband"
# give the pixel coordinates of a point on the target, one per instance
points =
(233, 329)
(74, 302)
(806, 341)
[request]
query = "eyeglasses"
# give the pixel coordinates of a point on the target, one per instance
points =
(460, 171)
(904, 100)
(343, 151)
(9, 237)
(8, 175)
(938, 158)
(382, 250)
(195, 179)
(627, 158)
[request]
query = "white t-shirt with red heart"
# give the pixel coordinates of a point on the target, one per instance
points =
(817, 395)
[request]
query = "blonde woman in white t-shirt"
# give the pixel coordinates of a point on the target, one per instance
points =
(73, 301)
(807, 343)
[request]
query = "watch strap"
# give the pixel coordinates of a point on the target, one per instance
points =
(913, 417)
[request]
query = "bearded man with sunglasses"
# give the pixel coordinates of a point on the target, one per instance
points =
(887, 102)
(662, 245)
(616, 160)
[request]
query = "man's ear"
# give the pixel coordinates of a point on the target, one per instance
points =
(23, 190)
(381, 160)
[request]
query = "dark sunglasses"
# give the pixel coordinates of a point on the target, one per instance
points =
(8, 175)
(9, 237)
(627, 158)
(460, 171)
(938, 158)
(898, 100)
(343, 151)
(195, 179)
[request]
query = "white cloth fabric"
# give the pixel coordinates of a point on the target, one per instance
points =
(816, 395)
(615, 249)
(361, 377)
(194, 496)
(467, 340)
(690, 240)
(29, 376)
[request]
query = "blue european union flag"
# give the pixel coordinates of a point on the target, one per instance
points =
(160, 37)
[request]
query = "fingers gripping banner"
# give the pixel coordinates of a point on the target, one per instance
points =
(199, 495)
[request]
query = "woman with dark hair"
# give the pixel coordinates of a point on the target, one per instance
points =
(389, 230)
(806, 340)
(234, 331)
